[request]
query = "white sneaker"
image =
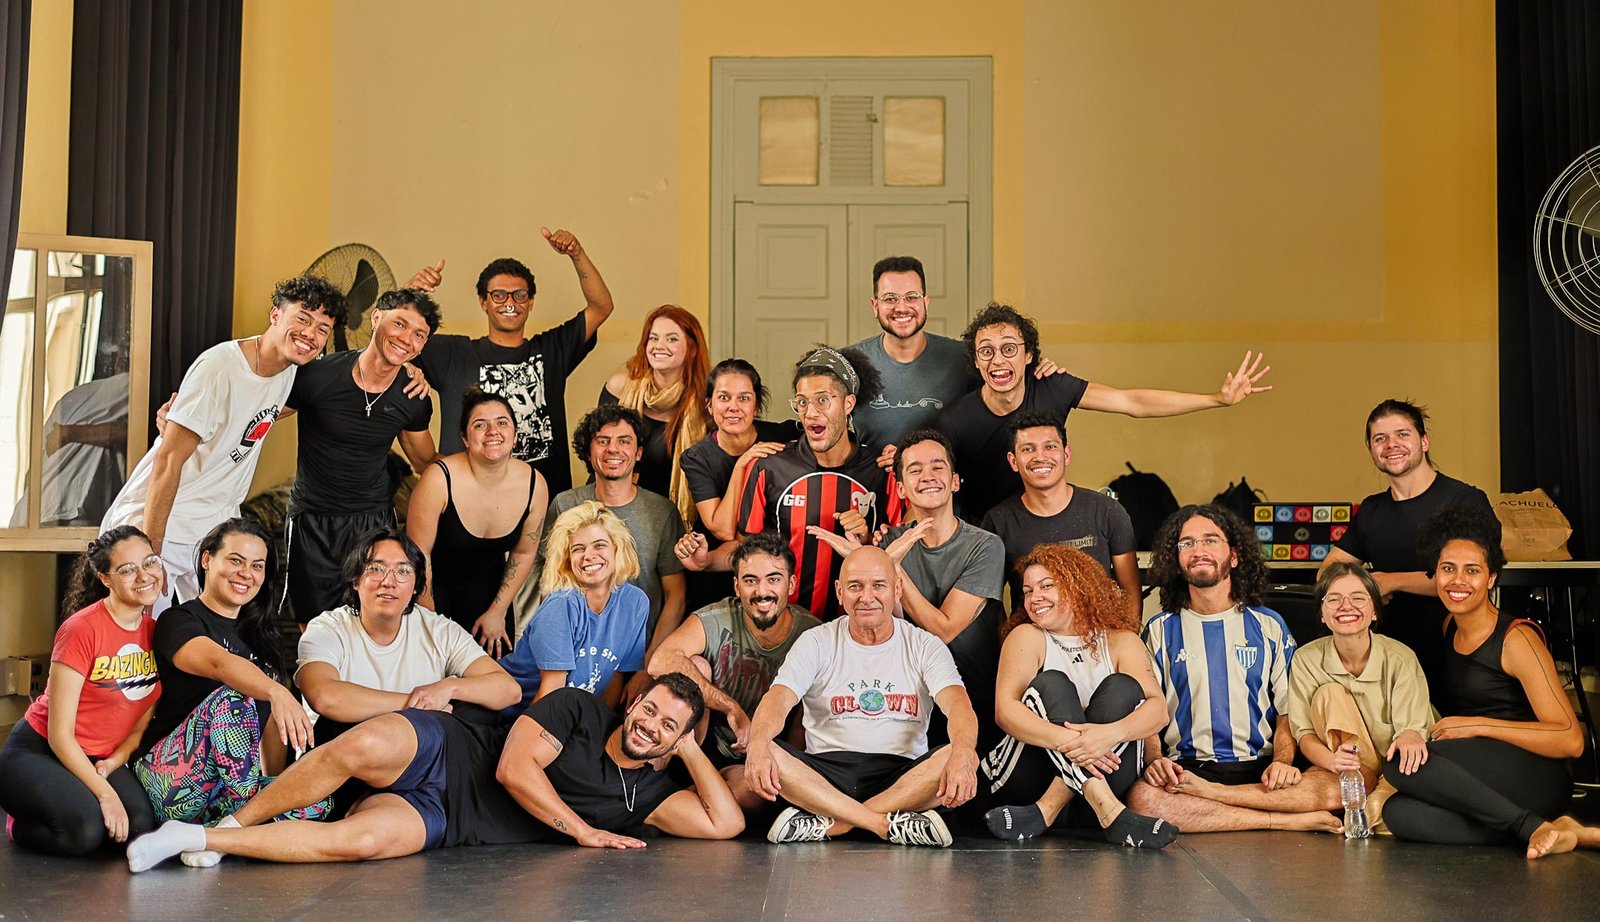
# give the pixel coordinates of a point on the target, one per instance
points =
(796, 825)
(926, 828)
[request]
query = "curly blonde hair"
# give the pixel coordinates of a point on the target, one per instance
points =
(557, 561)
(1097, 602)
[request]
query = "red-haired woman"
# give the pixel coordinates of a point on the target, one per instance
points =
(663, 382)
(1076, 697)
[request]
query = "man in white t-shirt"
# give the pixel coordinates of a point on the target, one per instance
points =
(200, 467)
(386, 652)
(867, 683)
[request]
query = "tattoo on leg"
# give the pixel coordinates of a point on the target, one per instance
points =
(559, 825)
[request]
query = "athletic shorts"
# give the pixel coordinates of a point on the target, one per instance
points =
(318, 544)
(1227, 772)
(858, 775)
(422, 784)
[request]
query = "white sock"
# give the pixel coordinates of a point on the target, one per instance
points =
(205, 857)
(173, 837)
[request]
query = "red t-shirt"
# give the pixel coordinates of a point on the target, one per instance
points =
(119, 678)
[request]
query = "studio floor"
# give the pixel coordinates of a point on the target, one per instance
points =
(1201, 877)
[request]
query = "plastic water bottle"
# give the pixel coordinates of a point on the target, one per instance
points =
(1354, 794)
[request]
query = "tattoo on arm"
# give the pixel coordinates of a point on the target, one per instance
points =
(554, 743)
(583, 276)
(512, 566)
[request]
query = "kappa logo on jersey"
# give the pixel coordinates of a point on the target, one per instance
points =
(1246, 655)
(131, 671)
(254, 432)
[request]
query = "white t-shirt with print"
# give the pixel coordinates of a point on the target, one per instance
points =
(231, 408)
(428, 648)
(875, 699)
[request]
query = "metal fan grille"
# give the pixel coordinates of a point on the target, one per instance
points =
(362, 275)
(1566, 241)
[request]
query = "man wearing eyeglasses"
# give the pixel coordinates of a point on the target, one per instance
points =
(382, 652)
(1223, 661)
(920, 370)
(531, 373)
(1004, 346)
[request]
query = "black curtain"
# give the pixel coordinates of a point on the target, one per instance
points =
(1548, 76)
(155, 156)
(14, 22)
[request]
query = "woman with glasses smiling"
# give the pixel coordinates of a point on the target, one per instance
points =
(64, 781)
(1356, 697)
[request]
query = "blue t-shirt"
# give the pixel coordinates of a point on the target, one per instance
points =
(565, 635)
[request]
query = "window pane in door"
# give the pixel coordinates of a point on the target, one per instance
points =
(789, 140)
(913, 140)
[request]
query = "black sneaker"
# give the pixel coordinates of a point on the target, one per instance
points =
(796, 825)
(926, 828)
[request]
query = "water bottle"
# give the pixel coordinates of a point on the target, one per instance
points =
(1354, 794)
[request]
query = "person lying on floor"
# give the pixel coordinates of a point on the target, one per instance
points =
(567, 767)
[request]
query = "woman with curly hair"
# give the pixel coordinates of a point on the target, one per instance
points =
(1076, 697)
(663, 382)
(1497, 760)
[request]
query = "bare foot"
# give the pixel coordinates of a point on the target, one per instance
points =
(1588, 836)
(1315, 821)
(1550, 839)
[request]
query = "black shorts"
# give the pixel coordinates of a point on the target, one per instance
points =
(858, 775)
(1227, 772)
(318, 544)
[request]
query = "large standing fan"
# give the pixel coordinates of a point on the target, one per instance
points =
(1566, 241)
(357, 270)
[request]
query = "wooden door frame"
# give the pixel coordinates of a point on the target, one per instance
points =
(728, 73)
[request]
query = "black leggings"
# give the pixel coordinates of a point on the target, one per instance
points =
(50, 808)
(1016, 773)
(1476, 792)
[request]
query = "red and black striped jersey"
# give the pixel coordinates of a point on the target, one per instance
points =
(789, 490)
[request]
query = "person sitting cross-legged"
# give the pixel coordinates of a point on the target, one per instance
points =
(1076, 697)
(569, 765)
(867, 682)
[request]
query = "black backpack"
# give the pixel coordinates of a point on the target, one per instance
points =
(1241, 498)
(1148, 500)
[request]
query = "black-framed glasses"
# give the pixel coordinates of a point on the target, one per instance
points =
(1008, 350)
(499, 296)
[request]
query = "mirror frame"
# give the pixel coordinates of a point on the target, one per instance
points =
(36, 537)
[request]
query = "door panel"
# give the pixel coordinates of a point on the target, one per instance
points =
(935, 234)
(790, 285)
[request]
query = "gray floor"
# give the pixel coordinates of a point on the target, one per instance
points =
(1202, 877)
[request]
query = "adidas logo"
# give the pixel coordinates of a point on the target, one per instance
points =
(1078, 658)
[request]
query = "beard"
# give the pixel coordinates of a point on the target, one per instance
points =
(761, 623)
(1208, 580)
(654, 752)
(884, 325)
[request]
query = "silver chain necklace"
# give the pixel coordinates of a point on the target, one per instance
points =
(362, 382)
(628, 799)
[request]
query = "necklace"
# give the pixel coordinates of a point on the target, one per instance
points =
(255, 360)
(628, 799)
(362, 382)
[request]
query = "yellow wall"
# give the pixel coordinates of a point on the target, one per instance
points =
(28, 606)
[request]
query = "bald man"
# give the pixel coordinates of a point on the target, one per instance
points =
(868, 683)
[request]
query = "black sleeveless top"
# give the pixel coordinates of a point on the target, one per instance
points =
(1475, 684)
(467, 569)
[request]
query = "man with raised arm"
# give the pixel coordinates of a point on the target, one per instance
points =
(530, 372)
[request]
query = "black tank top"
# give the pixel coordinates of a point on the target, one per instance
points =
(467, 569)
(1475, 684)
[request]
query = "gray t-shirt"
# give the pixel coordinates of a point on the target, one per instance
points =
(653, 521)
(741, 667)
(1092, 522)
(915, 392)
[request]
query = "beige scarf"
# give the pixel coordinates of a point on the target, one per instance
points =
(686, 426)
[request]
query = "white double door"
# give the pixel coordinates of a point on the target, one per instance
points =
(803, 275)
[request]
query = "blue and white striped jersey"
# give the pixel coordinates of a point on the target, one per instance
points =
(1226, 678)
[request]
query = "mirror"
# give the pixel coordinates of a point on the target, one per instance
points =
(74, 368)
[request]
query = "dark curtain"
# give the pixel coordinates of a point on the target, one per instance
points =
(1548, 76)
(14, 22)
(155, 156)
